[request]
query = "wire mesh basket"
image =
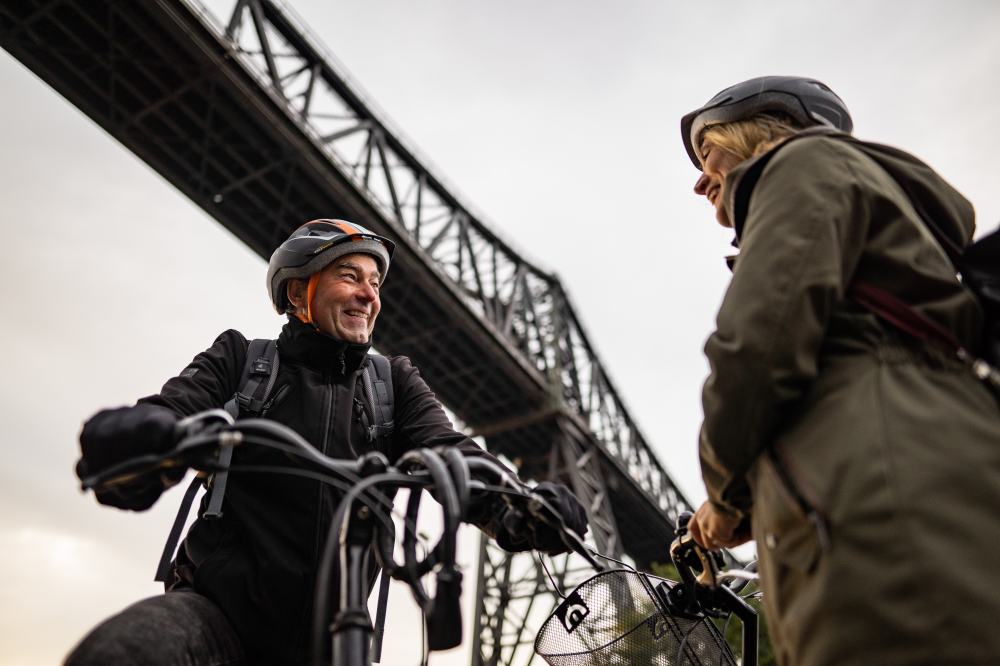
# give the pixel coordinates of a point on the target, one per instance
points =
(615, 619)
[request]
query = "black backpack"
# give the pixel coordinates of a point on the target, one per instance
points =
(253, 399)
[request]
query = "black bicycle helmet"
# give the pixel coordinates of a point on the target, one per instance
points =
(314, 246)
(808, 101)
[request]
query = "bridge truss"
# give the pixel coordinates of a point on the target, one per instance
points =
(261, 126)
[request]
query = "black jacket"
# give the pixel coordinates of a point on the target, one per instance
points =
(258, 562)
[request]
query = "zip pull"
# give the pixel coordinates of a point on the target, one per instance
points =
(275, 400)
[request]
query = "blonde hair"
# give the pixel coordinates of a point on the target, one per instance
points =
(751, 136)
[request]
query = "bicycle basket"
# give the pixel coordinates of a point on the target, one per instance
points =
(612, 619)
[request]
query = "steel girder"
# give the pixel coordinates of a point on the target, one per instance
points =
(524, 305)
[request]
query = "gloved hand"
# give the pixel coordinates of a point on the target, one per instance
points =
(114, 435)
(519, 531)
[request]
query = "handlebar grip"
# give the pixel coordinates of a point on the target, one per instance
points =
(444, 622)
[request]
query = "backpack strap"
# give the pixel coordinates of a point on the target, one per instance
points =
(902, 316)
(163, 568)
(260, 370)
(259, 374)
(378, 393)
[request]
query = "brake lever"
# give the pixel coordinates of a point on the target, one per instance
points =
(698, 570)
(201, 422)
(694, 561)
(125, 472)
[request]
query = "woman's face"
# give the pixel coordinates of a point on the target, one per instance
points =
(716, 162)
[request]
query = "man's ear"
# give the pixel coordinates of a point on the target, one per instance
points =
(295, 289)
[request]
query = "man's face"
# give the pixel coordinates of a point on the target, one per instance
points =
(346, 302)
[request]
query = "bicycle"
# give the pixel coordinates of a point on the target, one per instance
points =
(362, 519)
(679, 610)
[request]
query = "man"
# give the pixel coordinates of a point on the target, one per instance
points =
(241, 587)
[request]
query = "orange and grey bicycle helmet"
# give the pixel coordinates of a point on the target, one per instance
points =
(314, 246)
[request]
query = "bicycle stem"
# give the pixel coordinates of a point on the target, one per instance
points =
(351, 628)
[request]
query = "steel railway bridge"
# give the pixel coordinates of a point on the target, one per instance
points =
(255, 121)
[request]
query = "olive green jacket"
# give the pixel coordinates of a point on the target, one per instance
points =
(822, 213)
(877, 518)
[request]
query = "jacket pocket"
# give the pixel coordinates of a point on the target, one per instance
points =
(793, 535)
(209, 546)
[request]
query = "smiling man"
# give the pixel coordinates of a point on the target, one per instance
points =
(241, 587)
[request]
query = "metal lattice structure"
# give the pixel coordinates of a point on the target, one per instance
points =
(256, 122)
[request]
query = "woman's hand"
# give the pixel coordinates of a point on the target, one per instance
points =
(713, 529)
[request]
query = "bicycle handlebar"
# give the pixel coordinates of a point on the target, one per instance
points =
(363, 519)
(453, 478)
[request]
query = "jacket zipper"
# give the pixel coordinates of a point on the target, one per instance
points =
(317, 531)
(331, 413)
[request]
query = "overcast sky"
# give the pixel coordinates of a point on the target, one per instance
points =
(558, 120)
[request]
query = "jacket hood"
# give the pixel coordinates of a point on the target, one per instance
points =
(931, 195)
(933, 198)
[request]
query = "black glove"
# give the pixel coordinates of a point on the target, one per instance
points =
(115, 435)
(519, 531)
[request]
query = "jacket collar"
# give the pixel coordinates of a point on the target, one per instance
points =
(741, 180)
(304, 345)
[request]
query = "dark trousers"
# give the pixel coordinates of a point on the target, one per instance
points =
(172, 629)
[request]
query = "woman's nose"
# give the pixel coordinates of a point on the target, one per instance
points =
(701, 185)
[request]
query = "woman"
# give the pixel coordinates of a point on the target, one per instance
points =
(869, 462)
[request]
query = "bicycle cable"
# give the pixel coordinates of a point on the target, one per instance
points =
(545, 568)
